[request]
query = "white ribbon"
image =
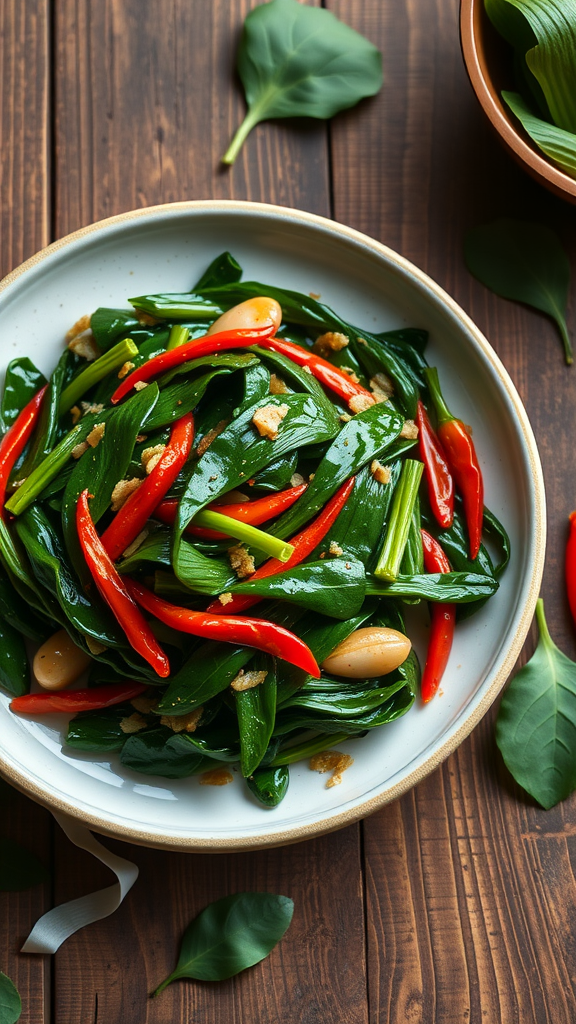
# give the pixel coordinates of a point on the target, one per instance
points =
(59, 924)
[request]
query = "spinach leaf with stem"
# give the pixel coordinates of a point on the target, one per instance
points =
(256, 712)
(301, 61)
(525, 262)
(536, 725)
(230, 935)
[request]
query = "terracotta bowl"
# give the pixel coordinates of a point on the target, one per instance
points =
(489, 66)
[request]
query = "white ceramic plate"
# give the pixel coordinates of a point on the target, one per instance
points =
(165, 249)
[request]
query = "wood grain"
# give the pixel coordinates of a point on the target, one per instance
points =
(470, 888)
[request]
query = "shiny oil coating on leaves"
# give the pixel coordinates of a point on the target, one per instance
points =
(232, 934)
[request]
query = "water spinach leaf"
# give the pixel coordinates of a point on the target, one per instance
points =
(256, 711)
(22, 382)
(19, 869)
(10, 1002)
(269, 785)
(230, 935)
(526, 262)
(333, 587)
(14, 672)
(536, 725)
(300, 61)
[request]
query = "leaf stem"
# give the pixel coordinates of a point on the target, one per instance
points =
(308, 748)
(398, 530)
(442, 410)
(568, 354)
(95, 372)
(244, 532)
(249, 122)
(164, 984)
(178, 336)
(542, 624)
(44, 473)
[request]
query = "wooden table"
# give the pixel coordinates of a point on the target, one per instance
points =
(457, 902)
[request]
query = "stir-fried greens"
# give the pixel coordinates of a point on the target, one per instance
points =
(180, 469)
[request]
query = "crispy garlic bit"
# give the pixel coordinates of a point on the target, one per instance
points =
(409, 430)
(332, 341)
(183, 723)
(380, 473)
(133, 723)
(247, 680)
(268, 419)
(359, 403)
(241, 561)
(331, 761)
(216, 777)
(277, 385)
(151, 457)
(368, 652)
(261, 311)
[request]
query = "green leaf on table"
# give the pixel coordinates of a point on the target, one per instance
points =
(536, 725)
(301, 61)
(19, 869)
(230, 935)
(523, 261)
(10, 1002)
(556, 143)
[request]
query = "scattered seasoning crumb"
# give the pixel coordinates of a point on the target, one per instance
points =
(347, 565)
(215, 477)
(76, 413)
(144, 703)
(133, 547)
(140, 385)
(151, 457)
(216, 777)
(277, 385)
(247, 680)
(381, 387)
(332, 341)
(89, 408)
(268, 419)
(358, 403)
(79, 449)
(311, 477)
(94, 646)
(331, 761)
(145, 319)
(96, 435)
(362, 341)
(225, 598)
(296, 480)
(241, 561)
(345, 417)
(307, 370)
(134, 723)
(18, 483)
(322, 554)
(314, 295)
(81, 325)
(141, 437)
(350, 373)
(183, 723)
(206, 441)
(125, 369)
(409, 430)
(335, 549)
(122, 491)
(380, 473)
(85, 346)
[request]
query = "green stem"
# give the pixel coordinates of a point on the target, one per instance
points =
(249, 122)
(568, 354)
(167, 308)
(308, 748)
(242, 531)
(442, 411)
(165, 983)
(403, 503)
(44, 473)
(542, 624)
(178, 336)
(95, 372)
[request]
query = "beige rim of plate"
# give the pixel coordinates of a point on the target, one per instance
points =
(333, 822)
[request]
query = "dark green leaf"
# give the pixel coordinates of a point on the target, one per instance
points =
(10, 1002)
(22, 382)
(536, 725)
(14, 671)
(162, 752)
(333, 587)
(523, 261)
(99, 730)
(300, 61)
(269, 785)
(110, 325)
(223, 270)
(19, 869)
(230, 935)
(210, 670)
(256, 711)
(556, 143)
(452, 587)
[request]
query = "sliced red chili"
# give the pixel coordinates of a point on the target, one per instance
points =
(328, 374)
(15, 440)
(442, 622)
(570, 565)
(259, 633)
(304, 544)
(461, 455)
(114, 592)
(438, 476)
(252, 512)
(207, 346)
(77, 700)
(136, 511)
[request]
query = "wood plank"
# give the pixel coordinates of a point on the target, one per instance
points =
(470, 887)
(24, 228)
(146, 105)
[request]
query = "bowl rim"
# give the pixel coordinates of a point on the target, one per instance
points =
(538, 166)
(331, 822)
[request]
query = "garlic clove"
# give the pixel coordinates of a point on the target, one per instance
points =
(260, 311)
(368, 652)
(59, 662)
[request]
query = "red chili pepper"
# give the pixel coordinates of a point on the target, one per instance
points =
(15, 439)
(570, 565)
(442, 622)
(114, 592)
(77, 700)
(304, 543)
(136, 511)
(460, 452)
(439, 479)
(328, 374)
(259, 633)
(252, 512)
(207, 346)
